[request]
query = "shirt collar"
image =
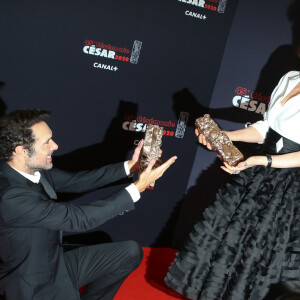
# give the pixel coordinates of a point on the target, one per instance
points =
(35, 178)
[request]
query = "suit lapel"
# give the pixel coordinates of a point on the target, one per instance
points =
(15, 176)
(48, 188)
(50, 191)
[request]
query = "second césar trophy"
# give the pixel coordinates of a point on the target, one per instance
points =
(151, 148)
(219, 141)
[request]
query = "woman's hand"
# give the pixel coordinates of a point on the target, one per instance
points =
(202, 140)
(248, 163)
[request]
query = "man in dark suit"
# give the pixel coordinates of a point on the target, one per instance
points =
(32, 262)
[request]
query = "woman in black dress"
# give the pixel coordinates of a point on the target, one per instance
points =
(249, 237)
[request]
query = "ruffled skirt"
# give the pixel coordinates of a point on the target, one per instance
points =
(248, 239)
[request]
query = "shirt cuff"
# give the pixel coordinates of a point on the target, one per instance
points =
(126, 168)
(134, 192)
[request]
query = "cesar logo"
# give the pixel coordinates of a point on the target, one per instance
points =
(99, 52)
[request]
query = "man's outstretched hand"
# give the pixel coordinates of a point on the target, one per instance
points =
(148, 175)
(134, 163)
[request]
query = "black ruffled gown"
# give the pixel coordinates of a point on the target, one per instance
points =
(249, 237)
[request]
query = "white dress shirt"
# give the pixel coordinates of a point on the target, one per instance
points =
(285, 119)
(35, 178)
(132, 189)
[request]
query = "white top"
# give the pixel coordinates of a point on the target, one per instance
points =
(285, 119)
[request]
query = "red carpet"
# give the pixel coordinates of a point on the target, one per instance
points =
(147, 281)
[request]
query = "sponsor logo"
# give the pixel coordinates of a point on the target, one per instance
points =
(195, 15)
(139, 124)
(211, 5)
(111, 52)
(105, 67)
(250, 100)
(181, 124)
(136, 50)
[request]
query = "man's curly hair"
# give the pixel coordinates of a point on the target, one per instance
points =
(15, 130)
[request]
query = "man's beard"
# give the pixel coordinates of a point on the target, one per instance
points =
(36, 167)
(33, 167)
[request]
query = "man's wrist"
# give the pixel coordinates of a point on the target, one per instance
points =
(134, 192)
(126, 167)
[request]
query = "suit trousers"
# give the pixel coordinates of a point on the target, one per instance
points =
(103, 267)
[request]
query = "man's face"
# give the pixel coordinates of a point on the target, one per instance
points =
(43, 147)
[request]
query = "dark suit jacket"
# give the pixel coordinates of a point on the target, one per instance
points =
(31, 260)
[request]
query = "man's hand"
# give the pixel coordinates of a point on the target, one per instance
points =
(149, 175)
(134, 163)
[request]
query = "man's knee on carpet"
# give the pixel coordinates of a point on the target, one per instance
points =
(132, 255)
(135, 253)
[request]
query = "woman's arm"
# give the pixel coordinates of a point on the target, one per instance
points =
(289, 160)
(249, 135)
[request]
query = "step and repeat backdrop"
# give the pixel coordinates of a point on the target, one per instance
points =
(263, 45)
(106, 69)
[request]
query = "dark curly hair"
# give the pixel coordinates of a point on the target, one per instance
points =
(15, 130)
